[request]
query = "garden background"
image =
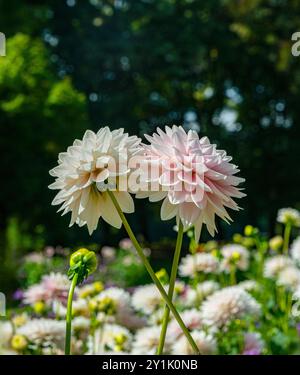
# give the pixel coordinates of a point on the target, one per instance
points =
(221, 67)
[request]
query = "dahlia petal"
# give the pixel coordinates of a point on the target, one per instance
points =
(84, 199)
(168, 179)
(74, 213)
(216, 190)
(102, 176)
(160, 149)
(105, 140)
(189, 177)
(142, 194)
(102, 161)
(89, 139)
(179, 143)
(109, 213)
(157, 196)
(56, 185)
(198, 227)
(92, 210)
(215, 175)
(204, 141)
(168, 210)
(177, 197)
(197, 196)
(188, 213)
(125, 201)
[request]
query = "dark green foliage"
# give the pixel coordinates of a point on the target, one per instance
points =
(223, 65)
(40, 115)
(126, 271)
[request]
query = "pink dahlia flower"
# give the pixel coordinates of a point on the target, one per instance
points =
(53, 287)
(195, 180)
(254, 344)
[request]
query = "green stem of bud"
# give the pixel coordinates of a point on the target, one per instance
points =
(69, 315)
(232, 274)
(286, 238)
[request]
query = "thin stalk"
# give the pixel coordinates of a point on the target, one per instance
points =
(260, 257)
(286, 238)
(69, 315)
(152, 273)
(166, 315)
(232, 274)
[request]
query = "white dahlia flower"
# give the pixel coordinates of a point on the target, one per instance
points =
(79, 308)
(87, 169)
(274, 265)
(86, 291)
(146, 298)
(44, 332)
(289, 216)
(146, 341)
(199, 262)
(117, 298)
(206, 344)
(195, 180)
(110, 338)
(156, 318)
(248, 285)
(289, 277)
(236, 254)
(80, 323)
(295, 250)
(192, 319)
(194, 296)
(228, 304)
(123, 311)
(119, 295)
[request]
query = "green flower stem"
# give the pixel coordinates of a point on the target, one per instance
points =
(69, 315)
(152, 273)
(232, 274)
(260, 257)
(166, 316)
(286, 238)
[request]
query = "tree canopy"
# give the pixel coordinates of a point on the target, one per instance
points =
(222, 67)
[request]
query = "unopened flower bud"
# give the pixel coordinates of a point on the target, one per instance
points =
(248, 230)
(86, 257)
(162, 276)
(19, 342)
(248, 242)
(276, 243)
(83, 262)
(237, 238)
